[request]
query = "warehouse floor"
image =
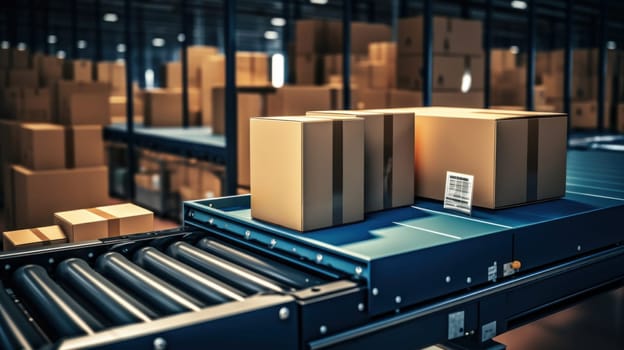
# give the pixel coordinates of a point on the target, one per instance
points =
(596, 323)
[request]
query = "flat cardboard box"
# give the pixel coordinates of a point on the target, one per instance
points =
(37, 106)
(450, 36)
(81, 103)
(404, 98)
(43, 146)
(164, 107)
(250, 105)
(78, 70)
(84, 145)
(388, 155)
(448, 72)
(125, 219)
(301, 178)
(82, 225)
(34, 237)
(39, 194)
(516, 157)
(297, 100)
(23, 78)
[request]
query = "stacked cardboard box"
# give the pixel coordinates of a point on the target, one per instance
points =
(458, 66)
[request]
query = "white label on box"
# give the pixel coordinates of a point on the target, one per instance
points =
(458, 192)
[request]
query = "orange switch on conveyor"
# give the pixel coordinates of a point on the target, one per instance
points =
(516, 265)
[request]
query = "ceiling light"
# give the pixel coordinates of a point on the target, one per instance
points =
(318, 2)
(466, 82)
(519, 4)
(60, 54)
(277, 70)
(52, 39)
(5, 44)
(158, 42)
(278, 22)
(611, 45)
(120, 60)
(514, 49)
(21, 46)
(82, 44)
(271, 35)
(121, 48)
(110, 17)
(181, 37)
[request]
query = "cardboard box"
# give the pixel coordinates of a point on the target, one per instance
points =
(584, 115)
(80, 103)
(85, 147)
(12, 102)
(404, 98)
(196, 54)
(34, 237)
(173, 75)
(20, 59)
(297, 100)
(260, 69)
(51, 70)
(78, 70)
(473, 99)
(308, 69)
(310, 37)
(43, 146)
(502, 60)
(448, 72)
(332, 65)
(372, 98)
(244, 68)
(118, 107)
(362, 34)
(82, 225)
(36, 106)
(307, 173)
(516, 157)
(23, 78)
(125, 219)
(164, 107)
(38, 194)
(383, 52)
(113, 73)
(388, 156)
(450, 36)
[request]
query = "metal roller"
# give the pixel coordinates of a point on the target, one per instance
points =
(158, 293)
(61, 313)
(16, 332)
(109, 299)
(276, 271)
(187, 278)
(234, 275)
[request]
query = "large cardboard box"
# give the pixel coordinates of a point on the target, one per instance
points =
(39, 194)
(310, 37)
(37, 106)
(449, 72)
(125, 219)
(195, 56)
(164, 107)
(250, 105)
(85, 147)
(584, 115)
(388, 156)
(43, 146)
(307, 173)
(81, 103)
(34, 237)
(173, 75)
(23, 78)
(113, 73)
(82, 225)
(297, 100)
(450, 36)
(78, 70)
(516, 157)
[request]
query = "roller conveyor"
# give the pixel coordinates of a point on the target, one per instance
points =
(227, 281)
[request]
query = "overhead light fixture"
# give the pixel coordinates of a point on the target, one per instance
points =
(52, 39)
(121, 48)
(318, 2)
(21, 46)
(514, 49)
(60, 54)
(181, 37)
(110, 17)
(277, 70)
(158, 42)
(278, 22)
(5, 44)
(611, 45)
(81, 44)
(466, 82)
(149, 78)
(271, 35)
(120, 60)
(519, 4)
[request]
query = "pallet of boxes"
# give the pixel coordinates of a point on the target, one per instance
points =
(52, 147)
(330, 168)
